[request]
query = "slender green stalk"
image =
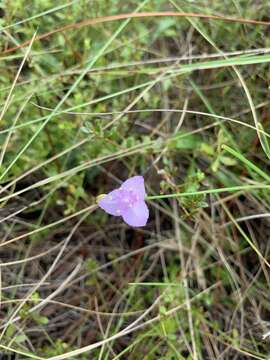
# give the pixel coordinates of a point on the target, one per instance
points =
(15, 351)
(211, 191)
(44, 13)
(70, 91)
(247, 162)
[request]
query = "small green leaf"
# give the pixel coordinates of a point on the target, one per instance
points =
(207, 149)
(185, 142)
(162, 310)
(10, 331)
(228, 161)
(20, 339)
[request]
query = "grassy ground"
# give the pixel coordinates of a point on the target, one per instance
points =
(183, 101)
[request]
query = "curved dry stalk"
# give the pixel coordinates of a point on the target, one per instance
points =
(13, 317)
(133, 326)
(105, 19)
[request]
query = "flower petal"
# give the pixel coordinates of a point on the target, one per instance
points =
(136, 184)
(136, 215)
(110, 203)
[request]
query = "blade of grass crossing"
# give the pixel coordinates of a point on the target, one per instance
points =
(247, 162)
(72, 88)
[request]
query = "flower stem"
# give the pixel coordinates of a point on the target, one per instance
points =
(210, 191)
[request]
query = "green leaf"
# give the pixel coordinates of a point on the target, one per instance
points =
(20, 339)
(228, 161)
(185, 142)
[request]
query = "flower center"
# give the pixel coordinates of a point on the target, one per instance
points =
(128, 198)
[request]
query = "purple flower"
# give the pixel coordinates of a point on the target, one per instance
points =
(128, 202)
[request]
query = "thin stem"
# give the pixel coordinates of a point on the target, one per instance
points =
(210, 191)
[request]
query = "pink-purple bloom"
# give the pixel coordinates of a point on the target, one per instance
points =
(128, 201)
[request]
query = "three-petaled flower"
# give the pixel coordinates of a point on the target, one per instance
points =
(128, 202)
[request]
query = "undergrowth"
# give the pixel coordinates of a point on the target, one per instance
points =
(182, 101)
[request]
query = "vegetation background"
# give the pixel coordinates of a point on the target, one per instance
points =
(183, 101)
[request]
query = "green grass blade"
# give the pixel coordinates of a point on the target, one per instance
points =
(247, 162)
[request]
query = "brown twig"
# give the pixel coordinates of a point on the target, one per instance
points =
(104, 19)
